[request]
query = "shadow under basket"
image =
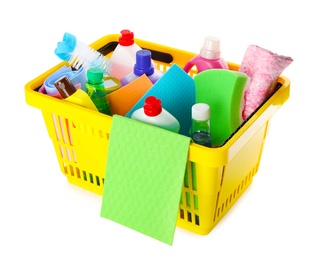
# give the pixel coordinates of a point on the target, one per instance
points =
(215, 177)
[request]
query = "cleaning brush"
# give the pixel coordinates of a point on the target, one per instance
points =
(79, 54)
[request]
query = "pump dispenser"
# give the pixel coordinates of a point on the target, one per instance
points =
(124, 55)
(208, 58)
(142, 66)
(153, 113)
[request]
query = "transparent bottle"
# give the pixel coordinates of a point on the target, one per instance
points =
(142, 66)
(96, 90)
(78, 54)
(200, 128)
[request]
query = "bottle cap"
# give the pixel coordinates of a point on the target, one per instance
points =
(95, 75)
(65, 87)
(126, 38)
(200, 111)
(143, 63)
(152, 106)
(211, 48)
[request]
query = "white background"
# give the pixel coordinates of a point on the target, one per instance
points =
(286, 212)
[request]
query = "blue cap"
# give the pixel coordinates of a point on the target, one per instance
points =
(143, 63)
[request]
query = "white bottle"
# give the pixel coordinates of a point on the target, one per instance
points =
(153, 113)
(123, 58)
(142, 66)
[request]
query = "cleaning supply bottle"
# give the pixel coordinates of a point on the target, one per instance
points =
(124, 55)
(80, 55)
(96, 90)
(142, 66)
(70, 93)
(208, 58)
(200, 128)
(153, 113)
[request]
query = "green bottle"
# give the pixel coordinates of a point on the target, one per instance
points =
(96, 90)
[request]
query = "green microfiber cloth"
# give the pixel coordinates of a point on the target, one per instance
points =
(223, 91)
(144, 177)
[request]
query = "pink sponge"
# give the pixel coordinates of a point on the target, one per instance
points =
(263, 68)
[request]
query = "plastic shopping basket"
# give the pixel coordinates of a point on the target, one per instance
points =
(215, 177)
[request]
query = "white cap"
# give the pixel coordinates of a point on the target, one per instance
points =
(200, 111)
(211, 48)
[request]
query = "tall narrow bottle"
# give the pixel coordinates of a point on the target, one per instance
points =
(200, 129)
(96, 90)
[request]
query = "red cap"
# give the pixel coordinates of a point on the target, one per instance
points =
(126, 38)
(152, 106)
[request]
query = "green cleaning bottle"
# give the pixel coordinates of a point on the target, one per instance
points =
(96, 90)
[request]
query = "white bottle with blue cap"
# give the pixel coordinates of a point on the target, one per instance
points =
(142, 66)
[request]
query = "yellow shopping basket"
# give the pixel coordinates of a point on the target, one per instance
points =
(215, 177)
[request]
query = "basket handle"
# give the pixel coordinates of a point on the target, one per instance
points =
(155, 55)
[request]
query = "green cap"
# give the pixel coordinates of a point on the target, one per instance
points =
(95, 75)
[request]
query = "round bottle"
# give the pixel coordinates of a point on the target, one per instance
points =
(208, 58)
(200, 129)
(153, 113)
(142, 66)
(96, 90)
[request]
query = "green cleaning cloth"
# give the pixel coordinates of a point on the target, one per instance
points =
(144, 176)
